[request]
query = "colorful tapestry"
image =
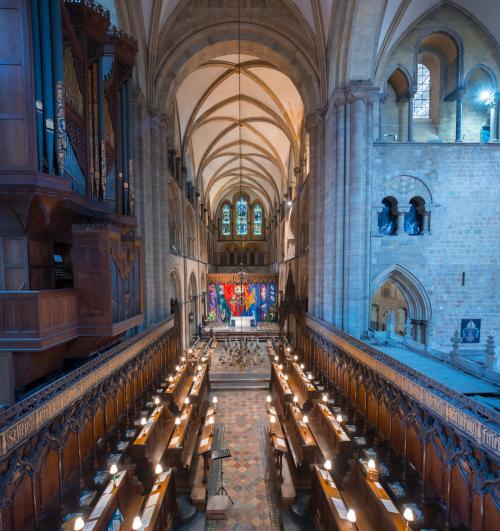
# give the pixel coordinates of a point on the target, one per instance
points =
(256, 299)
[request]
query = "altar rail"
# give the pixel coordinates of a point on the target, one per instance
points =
(22, 420)
(474, 420)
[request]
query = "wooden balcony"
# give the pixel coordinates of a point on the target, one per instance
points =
(37, 320)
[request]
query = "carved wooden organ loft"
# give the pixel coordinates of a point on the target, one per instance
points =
(70, 263)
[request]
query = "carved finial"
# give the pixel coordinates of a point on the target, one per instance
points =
(490, 352)
(455, 341)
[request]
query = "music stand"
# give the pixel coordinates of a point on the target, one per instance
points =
(222, 454)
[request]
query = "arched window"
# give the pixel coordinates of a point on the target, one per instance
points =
(257, 220)
(241, 217)
(226, 220)
(422, 98)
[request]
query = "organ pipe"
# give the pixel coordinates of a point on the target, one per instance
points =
(58, 83)
(37, 64)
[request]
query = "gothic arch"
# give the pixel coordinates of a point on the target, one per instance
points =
(419, 304)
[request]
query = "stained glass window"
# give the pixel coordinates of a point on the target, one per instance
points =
(421, 100)
(257, 220)
(241, 217)
(226, 220)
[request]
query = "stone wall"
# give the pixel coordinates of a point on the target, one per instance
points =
(462, 184)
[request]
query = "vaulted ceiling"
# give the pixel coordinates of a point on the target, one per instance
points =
(258, 137)
(241, 127)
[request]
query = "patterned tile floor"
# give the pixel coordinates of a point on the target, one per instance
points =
(242, 414)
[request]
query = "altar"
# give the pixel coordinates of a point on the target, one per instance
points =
(242, 322)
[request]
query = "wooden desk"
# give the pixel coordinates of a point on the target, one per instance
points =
(159, 509)
(206, 442)
(330, 425)
(125, 496)
(300, 383)
(178, 389)
(379, 503)
(279, 383)
(327, 504)
(152, 440)
(305, 434)
(199, 387)
(181, 446)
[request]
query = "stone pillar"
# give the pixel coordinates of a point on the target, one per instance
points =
(165, 244)
(495, 119)
(381, 101)
(458, 125)
(361, 96)
(315, 128)
(410, 95)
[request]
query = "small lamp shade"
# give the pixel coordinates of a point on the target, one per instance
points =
(158, 469)
(351, 516)
(113, 469)
(339, 418)
(215, 400)
(177, 421)
(157, 400)
(295, 358)
(136, 524)
(190, 351)
(286, 377)
(295, 398)
(280, 367)
(273, 419)
(268, 399)
(183, 358)
(408, 515)
(143, 421)
(371, 464)
(302, 366)
(211, 420)
(328, 464)
(325, 398)
(177, 367)
(276, 359)
(170, 378)
(186, 400)
(305, 419)
(288, 349)
(199, 368)
(79, 524)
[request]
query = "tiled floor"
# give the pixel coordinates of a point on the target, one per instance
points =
(242, 414)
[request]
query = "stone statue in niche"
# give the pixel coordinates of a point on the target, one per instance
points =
(414, 219)
(390, 325)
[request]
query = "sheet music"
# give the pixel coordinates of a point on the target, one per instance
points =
(377, 484)
(341, 509)
(390, 506)
(204, 441)
(153, 499)
(174, 441)
(147, 515)
(100, 506)
(280, 441)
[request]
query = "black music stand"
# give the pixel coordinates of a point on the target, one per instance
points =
(222, 454)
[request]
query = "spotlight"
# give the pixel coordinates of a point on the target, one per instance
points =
(485, 96)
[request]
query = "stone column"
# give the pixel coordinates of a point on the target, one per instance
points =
(315, 128)
(165, 244)
(361, 96)
(410, 94)
(381, 101)
(495, 119)
(458, 115)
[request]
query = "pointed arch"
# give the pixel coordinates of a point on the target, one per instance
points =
(419, 304)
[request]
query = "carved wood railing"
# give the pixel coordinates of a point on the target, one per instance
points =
(21, 421)
(472, 419)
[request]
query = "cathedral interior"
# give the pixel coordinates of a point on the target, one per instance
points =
(249, 265)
